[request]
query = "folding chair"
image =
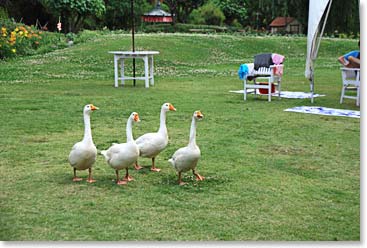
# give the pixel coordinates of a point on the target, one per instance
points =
(273, 77)
(351, 82)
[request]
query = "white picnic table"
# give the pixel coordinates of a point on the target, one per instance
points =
(147, 56)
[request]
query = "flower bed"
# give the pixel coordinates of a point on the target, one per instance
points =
(17, 39)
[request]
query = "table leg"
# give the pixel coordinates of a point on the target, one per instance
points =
(151, 70)
(122, 71)
(146, 70)
(115, 61)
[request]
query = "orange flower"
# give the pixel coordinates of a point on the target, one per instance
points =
(12, 38)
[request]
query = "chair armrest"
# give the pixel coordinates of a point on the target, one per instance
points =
(350, 69)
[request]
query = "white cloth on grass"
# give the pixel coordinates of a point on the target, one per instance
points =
(325, 111)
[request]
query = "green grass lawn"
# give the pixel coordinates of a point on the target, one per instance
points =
(270, 174)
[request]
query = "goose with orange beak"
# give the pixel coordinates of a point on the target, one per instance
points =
(186, 158)
(151, 144)
(123, 156)
(83, 154)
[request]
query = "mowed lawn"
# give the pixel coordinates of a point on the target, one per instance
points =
(269, 174)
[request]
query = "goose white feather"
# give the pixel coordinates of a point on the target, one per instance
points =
(83, 154)
(151, 144)
(122, 156)
(186, 158)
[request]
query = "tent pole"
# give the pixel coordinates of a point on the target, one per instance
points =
(317, 42)
(312, 86)
(132, 36)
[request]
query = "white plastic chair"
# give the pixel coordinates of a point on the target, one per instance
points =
(351, 82)
(272, 75)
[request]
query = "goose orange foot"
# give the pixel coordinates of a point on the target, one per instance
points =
(199, 178)
(155, 169)
(119, 182)
(91, 180)
(128, 178)
(138, 167)
(77, 179)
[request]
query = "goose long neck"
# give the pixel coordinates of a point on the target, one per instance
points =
(162, 126)
(129, 132)
(87, 129)
(192, 141)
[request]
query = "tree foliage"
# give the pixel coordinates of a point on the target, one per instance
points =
(181, 9)
(209, 14)
(74, 12)
(116, 14)
(233, 10)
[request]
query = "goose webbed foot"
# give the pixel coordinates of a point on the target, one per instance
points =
(77, 179)
(155, 169)
(137, 167)
(127, 177)
(198, 177)
(90, 180)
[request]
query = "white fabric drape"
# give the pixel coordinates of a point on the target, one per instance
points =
(316, 11)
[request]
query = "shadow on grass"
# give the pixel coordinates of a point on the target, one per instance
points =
(144, 178)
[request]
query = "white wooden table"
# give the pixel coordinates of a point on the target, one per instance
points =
(147, 56)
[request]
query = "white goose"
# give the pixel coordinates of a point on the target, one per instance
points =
(151, 144)
(186, 158)
(83, 154)
(122, 156)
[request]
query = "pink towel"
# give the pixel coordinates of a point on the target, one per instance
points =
(277, 58)
(278, 70)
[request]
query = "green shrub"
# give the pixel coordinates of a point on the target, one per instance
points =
(186, 28)
(196, 17)
(210, 13)
(86, 35)
(70, 36)
(235, 23)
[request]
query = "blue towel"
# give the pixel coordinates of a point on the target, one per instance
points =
(243, 71)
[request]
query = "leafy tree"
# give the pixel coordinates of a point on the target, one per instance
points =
(210, 14)
(344, 17)
(181, 9)
(30, 12)
(233, 10)
(118, 13)
(74, 12)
